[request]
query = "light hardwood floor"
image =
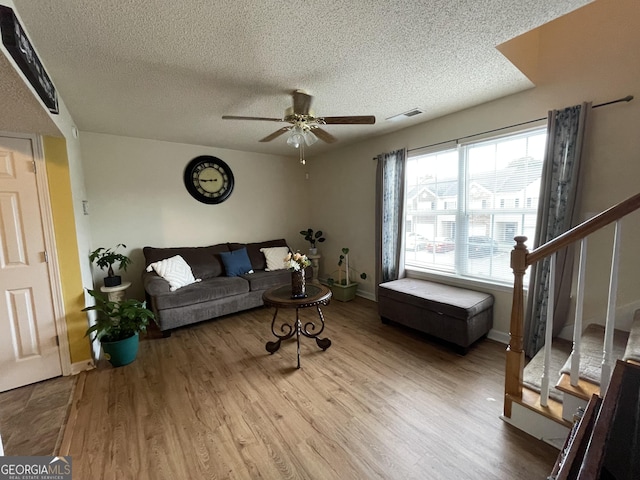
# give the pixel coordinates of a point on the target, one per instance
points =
(380, 403)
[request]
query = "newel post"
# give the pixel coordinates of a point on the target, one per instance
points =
(515, 350)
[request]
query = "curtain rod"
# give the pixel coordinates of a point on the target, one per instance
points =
(628, 98)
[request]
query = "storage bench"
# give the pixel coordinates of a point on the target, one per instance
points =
(455, 315)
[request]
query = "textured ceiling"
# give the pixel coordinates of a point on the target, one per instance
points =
(169, 70)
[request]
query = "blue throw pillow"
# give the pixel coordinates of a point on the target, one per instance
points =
(236, 263)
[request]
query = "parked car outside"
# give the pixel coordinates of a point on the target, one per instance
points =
(416, 242)
(480, 246)
(441, 245)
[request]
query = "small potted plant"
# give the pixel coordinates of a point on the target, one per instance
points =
(344, 289)
(312, 238)
(117, 327)
(106, 258)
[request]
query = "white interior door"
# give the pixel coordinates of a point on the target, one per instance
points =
(29, 349)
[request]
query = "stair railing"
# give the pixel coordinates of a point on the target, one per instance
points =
(521, 259)
(577, 323)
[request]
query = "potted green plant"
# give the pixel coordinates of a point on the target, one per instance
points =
(312, 238)
(106, 258)
(117, 327)
(344, 289)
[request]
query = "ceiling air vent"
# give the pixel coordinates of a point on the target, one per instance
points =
(408, 114)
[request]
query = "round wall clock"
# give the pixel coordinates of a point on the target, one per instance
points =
(208, 179)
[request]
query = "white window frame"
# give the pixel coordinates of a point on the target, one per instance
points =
(462, 211)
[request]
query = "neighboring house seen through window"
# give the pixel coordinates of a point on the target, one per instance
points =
(484, 194)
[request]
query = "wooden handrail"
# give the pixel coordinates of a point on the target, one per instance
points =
(584, 229)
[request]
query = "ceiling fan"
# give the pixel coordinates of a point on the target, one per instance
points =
(304, 125)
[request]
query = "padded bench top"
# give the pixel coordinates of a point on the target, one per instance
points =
(453, 301)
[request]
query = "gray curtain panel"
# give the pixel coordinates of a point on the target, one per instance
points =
(557, 213)
(389, 215)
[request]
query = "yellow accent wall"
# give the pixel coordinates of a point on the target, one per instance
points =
(55, 154)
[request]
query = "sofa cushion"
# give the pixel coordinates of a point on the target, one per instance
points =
(212, 289)
(205, 262)
(256, 257)
(175, 271)
(262, 280)
(236, 263)
(275, 257)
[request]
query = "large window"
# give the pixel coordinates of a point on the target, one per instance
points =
(465, 204)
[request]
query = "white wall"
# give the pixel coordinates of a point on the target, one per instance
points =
(137, 197)
(588, 55)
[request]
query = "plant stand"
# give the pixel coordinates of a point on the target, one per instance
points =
(315, 263)
(116, 294)
(344, 293)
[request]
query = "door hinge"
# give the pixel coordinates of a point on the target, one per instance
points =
(57, 341)
(46, 256)
(35, 167)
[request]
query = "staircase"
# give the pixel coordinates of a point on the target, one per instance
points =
(565, 374)
(626, 346)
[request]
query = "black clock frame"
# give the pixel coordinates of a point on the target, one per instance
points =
(192, 188)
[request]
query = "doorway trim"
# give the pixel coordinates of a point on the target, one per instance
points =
(46, 217)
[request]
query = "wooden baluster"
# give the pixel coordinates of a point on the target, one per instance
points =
(515, 351)
(577, 324)
(607, 361)
(548, 332)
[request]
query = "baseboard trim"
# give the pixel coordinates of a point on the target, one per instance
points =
(83, 366)
(498, 336)
(367, 295)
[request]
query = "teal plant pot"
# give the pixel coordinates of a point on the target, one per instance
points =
(344, 293)
(121, 352)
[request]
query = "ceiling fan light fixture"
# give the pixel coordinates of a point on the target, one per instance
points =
(305, 128)
(296, 136)
(309, 138)
(294, 140)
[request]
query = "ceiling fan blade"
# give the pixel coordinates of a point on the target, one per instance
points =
(301, 102)
(275, 134)
(324, 135)
(353, 120)
(268, 119)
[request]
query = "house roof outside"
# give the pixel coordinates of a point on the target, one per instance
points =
(516, 177)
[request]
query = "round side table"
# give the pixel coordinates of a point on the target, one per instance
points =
(280, 297)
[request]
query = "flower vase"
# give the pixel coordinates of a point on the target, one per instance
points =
(298, 289)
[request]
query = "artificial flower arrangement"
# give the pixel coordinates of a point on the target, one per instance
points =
(296, 261)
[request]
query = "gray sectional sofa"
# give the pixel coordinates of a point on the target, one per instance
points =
(216, 294)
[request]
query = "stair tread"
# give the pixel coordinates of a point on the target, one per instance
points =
(591, 352)
(532, 375)
(584, 390)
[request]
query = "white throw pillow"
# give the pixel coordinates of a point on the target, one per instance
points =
(275, 257)
(175, 271)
